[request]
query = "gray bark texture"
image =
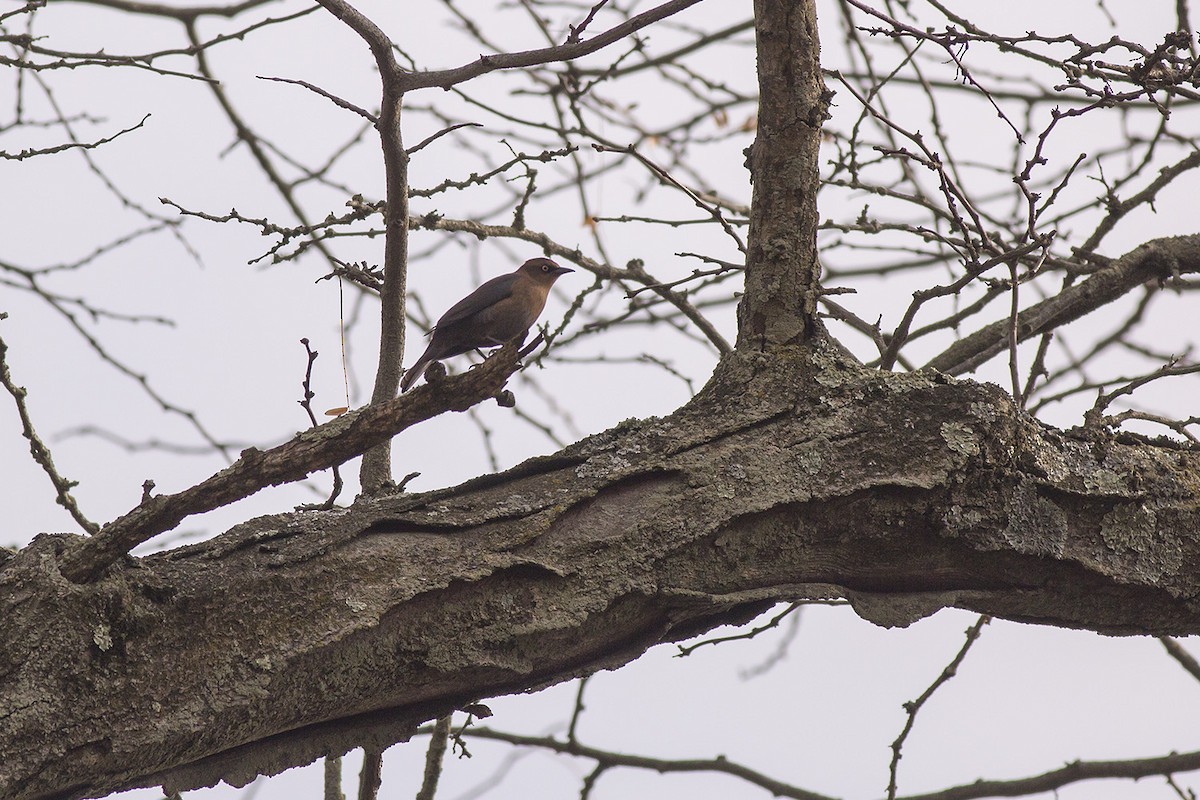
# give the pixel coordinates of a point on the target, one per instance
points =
(793, 475)
(796, 473)
(779, 306)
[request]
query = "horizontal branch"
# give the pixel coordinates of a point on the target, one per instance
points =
(176, 12)
(609, 758)
(445, 78)
(315, 449)
(402, 608)
(1076, 771)
(27, 153)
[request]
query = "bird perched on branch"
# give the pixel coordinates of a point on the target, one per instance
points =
(499, 311)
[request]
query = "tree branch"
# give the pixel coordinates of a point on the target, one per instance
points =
(376, 471)
(782, 271)
(1074, 772)
(38, 449)
(1159, 259)
(404, 608)
(315, 449)
(445, 78)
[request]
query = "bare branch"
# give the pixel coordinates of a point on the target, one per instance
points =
(447, 78)
(1076, 771)
(24, 154)
(1182, 656)
(1156, 260)
(913, 707)
(371, 775)
(607, 759)
(38, 449)
(433, 758)
(333, 779)
(337, 101)
(317, 448)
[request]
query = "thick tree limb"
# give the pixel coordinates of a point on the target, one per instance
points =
(903, 493)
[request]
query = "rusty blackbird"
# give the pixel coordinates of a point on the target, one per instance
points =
(499, 311)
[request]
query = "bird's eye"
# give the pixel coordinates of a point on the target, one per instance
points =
(545, 268)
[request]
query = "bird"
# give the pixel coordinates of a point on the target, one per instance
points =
(500, 311)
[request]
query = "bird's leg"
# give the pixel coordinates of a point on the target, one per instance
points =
(493, 343)
(534, 345)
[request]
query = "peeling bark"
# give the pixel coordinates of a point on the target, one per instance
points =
(306, 634)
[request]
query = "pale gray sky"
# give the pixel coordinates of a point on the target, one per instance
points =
(1027, 700)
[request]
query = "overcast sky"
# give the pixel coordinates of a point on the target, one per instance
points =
(1027, 699)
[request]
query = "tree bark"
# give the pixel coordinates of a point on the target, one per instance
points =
(303, 635)
(782, 271)
(794, 474)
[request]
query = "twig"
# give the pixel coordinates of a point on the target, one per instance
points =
(577, 712)
(1179, 426)
(446, 78)
(609, 759)
(687, 650)
(912, 707)
(1094, 415)
(24, 154)
(337, 101)
(1182, 656)
(435, 136)
(1074, 772)
(38, 449)
(306, 404)
(712, 210)
(576, 31)
(1037, 368)
(1014, 309)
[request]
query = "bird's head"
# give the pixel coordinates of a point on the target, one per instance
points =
(543, 270)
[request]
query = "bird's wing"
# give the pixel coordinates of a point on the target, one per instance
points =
(486, 295)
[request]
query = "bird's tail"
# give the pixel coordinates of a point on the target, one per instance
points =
(414, 372)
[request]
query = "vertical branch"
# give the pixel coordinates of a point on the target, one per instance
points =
(333, 778)
(371, 776)
(782, 271)
(306, 404)
(1013, 339)
(376, 471)
(433, 758)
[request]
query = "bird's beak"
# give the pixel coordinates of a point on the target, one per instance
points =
(561, 271)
